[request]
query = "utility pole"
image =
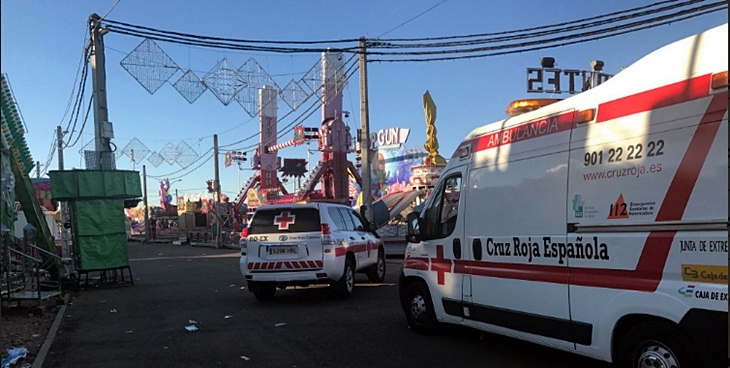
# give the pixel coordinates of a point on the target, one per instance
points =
(64, 210)
(103, 132)
(367, 194)
(38, 169)
(217, 193)
(146, 210)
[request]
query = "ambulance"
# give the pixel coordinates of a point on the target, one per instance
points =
(596, 224)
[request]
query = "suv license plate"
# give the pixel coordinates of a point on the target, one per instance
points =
(293, 249)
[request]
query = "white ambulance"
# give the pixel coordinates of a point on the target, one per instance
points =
(596, 224)
(305, 244)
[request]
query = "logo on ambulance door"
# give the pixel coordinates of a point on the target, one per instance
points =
(687, 291)
(578, 206)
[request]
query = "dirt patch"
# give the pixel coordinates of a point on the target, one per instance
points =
(24, 328)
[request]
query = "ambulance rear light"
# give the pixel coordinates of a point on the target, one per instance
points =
(719, 80)
(585, 116)
(326, 229)
(244, 233)
(518, 107)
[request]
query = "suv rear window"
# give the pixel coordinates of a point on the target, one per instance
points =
(285, 220)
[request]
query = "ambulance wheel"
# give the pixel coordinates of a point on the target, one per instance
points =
(656, 344)
(419, 309)
(345, 286)
(263, 291)
(376, 272)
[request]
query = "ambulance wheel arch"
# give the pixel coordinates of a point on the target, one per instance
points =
(630, 309)
(657, 341)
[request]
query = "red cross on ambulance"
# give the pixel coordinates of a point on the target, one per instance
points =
(284, 219)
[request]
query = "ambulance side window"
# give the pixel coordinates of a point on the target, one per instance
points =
(440, 217)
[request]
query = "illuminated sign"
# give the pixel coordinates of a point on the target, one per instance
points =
(390, 137)
(550, 80)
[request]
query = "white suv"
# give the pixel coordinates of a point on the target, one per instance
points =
(304, 244)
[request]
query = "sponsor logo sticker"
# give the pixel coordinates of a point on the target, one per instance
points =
(687, 291)
(704, 273)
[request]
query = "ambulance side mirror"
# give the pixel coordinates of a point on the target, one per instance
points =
(413, 220)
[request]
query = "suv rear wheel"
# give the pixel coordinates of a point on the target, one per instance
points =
(376, 272)
(345, 286)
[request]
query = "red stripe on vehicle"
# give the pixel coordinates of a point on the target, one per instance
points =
(552, 274)
(270, 265)
(671, 94)
(311, 264)
(319, 263)
(256, 266)
(519, 133)
(303, 264)
(341, 251)
(416, 264)
(691, 165)
(278, 265)
(288, 265)
(250, 266)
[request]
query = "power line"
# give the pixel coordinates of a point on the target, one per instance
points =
(77, 106)
(83, 125)
(560, 38)
(231, 39)
(412, 19)
(536, 48)
(76, 79)
(168, 37)
(531, 28)
(522, 36)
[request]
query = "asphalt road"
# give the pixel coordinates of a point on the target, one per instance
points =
(174, 284)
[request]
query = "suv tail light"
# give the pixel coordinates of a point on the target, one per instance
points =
(325, 229)
(244, 233)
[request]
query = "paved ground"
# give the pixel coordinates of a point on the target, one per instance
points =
(176, 283)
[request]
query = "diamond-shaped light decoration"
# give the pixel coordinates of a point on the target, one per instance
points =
(293, 95)
(149, 65)
(136, 151)
(190, 86)
(155, 159)
(169, 153)
(313, 78)
(224, 81)
(187, 155)
(256, 77)
(87, 147)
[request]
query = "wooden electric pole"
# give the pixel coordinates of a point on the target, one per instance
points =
(64, 210)
(367, 194)
(217, 194)
(147, 228)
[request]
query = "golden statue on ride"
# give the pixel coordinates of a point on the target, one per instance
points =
(432, 144)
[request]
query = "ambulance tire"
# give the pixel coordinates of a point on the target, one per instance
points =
(263, 291)
(657, 340)
(345, 286)
(419, 309)
(376, 272)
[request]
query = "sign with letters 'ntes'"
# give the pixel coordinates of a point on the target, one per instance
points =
(551, 80)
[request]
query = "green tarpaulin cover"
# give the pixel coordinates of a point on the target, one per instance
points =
(90, 184)
(101, 238)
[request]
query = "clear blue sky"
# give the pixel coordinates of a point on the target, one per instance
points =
(42, 43)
